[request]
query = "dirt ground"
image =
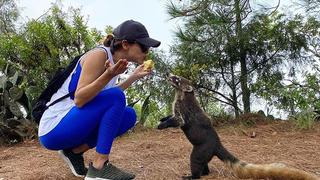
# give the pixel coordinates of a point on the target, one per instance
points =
(164, 155)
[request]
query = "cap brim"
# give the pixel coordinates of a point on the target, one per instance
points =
(149, 42)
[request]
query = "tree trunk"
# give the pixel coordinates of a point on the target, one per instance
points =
(242, 58)
(234, 90)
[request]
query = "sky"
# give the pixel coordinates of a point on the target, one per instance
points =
(100, 13)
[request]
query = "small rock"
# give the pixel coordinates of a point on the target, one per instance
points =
(253, 134)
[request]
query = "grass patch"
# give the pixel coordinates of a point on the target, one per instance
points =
(304, 120)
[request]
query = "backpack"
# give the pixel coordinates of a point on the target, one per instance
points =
(54, 84)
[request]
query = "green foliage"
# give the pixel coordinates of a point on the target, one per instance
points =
(304, 120)
(145, 109)
(14, 108)
(30, 56)
(236, 58)
(213, 108)
(156, 114)
(312, 7)
(154, 93)
(8, 16)
(298, 88)
(46, 44)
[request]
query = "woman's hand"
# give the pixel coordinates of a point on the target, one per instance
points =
(139, 72)
(120, 67)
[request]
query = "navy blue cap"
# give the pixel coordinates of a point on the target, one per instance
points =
(131, 30)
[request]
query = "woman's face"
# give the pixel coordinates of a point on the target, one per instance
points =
(137, 53)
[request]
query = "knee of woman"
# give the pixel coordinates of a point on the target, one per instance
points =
(115, 93)
(131, 113)
(118, 92)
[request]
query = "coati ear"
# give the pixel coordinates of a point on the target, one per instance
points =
(187, 88)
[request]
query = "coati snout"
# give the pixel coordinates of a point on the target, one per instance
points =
(180, 83)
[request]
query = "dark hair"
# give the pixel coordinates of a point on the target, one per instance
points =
(109, 41)
(114, 44)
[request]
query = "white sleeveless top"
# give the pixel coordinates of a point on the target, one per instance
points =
(53, 115)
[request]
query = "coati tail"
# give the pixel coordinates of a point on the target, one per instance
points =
(275, 171)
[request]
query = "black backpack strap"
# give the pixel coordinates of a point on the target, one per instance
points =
(59, 99)
(56, 82)
(70, 69)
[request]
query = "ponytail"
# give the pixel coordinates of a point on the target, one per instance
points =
(112, 42)
(108, 40)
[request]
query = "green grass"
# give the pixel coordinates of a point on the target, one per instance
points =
(304, 120)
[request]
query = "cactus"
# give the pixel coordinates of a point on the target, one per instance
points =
(14, 111)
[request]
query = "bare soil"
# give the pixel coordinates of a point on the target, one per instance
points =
(164, 155)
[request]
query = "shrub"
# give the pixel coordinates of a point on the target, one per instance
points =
(304, 120)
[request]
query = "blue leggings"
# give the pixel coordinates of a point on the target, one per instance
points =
(96, 124)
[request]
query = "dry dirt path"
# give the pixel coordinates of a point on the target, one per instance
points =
(157, 155)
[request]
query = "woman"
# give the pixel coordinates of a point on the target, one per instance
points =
(96, 112)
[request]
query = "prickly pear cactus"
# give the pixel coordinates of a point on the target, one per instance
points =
(14, 109)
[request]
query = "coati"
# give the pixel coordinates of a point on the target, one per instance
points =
(196, 125)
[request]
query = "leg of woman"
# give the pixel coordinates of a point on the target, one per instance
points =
(104, 111)
(107, 170)
(129, 118)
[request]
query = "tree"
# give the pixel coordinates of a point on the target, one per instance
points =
(8, 15)
(231, 47)
(311, 5)
(46, 44)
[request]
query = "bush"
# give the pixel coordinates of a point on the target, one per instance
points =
(304, 120)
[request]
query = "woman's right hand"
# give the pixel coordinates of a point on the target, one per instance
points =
(113, 70)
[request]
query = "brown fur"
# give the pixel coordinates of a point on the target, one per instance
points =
(269, 171)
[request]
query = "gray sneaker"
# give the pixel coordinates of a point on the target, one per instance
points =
(75, 162)
(108, 172)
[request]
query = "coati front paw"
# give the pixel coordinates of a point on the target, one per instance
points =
(166, 118)
(167, 122)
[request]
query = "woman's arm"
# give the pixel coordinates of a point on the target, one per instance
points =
(96, 73)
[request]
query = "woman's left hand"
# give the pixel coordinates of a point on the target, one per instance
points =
(139, 72)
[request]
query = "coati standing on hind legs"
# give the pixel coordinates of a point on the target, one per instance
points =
(197, 127)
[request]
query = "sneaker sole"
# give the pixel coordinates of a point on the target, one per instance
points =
(69, 164)
(92, 178)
